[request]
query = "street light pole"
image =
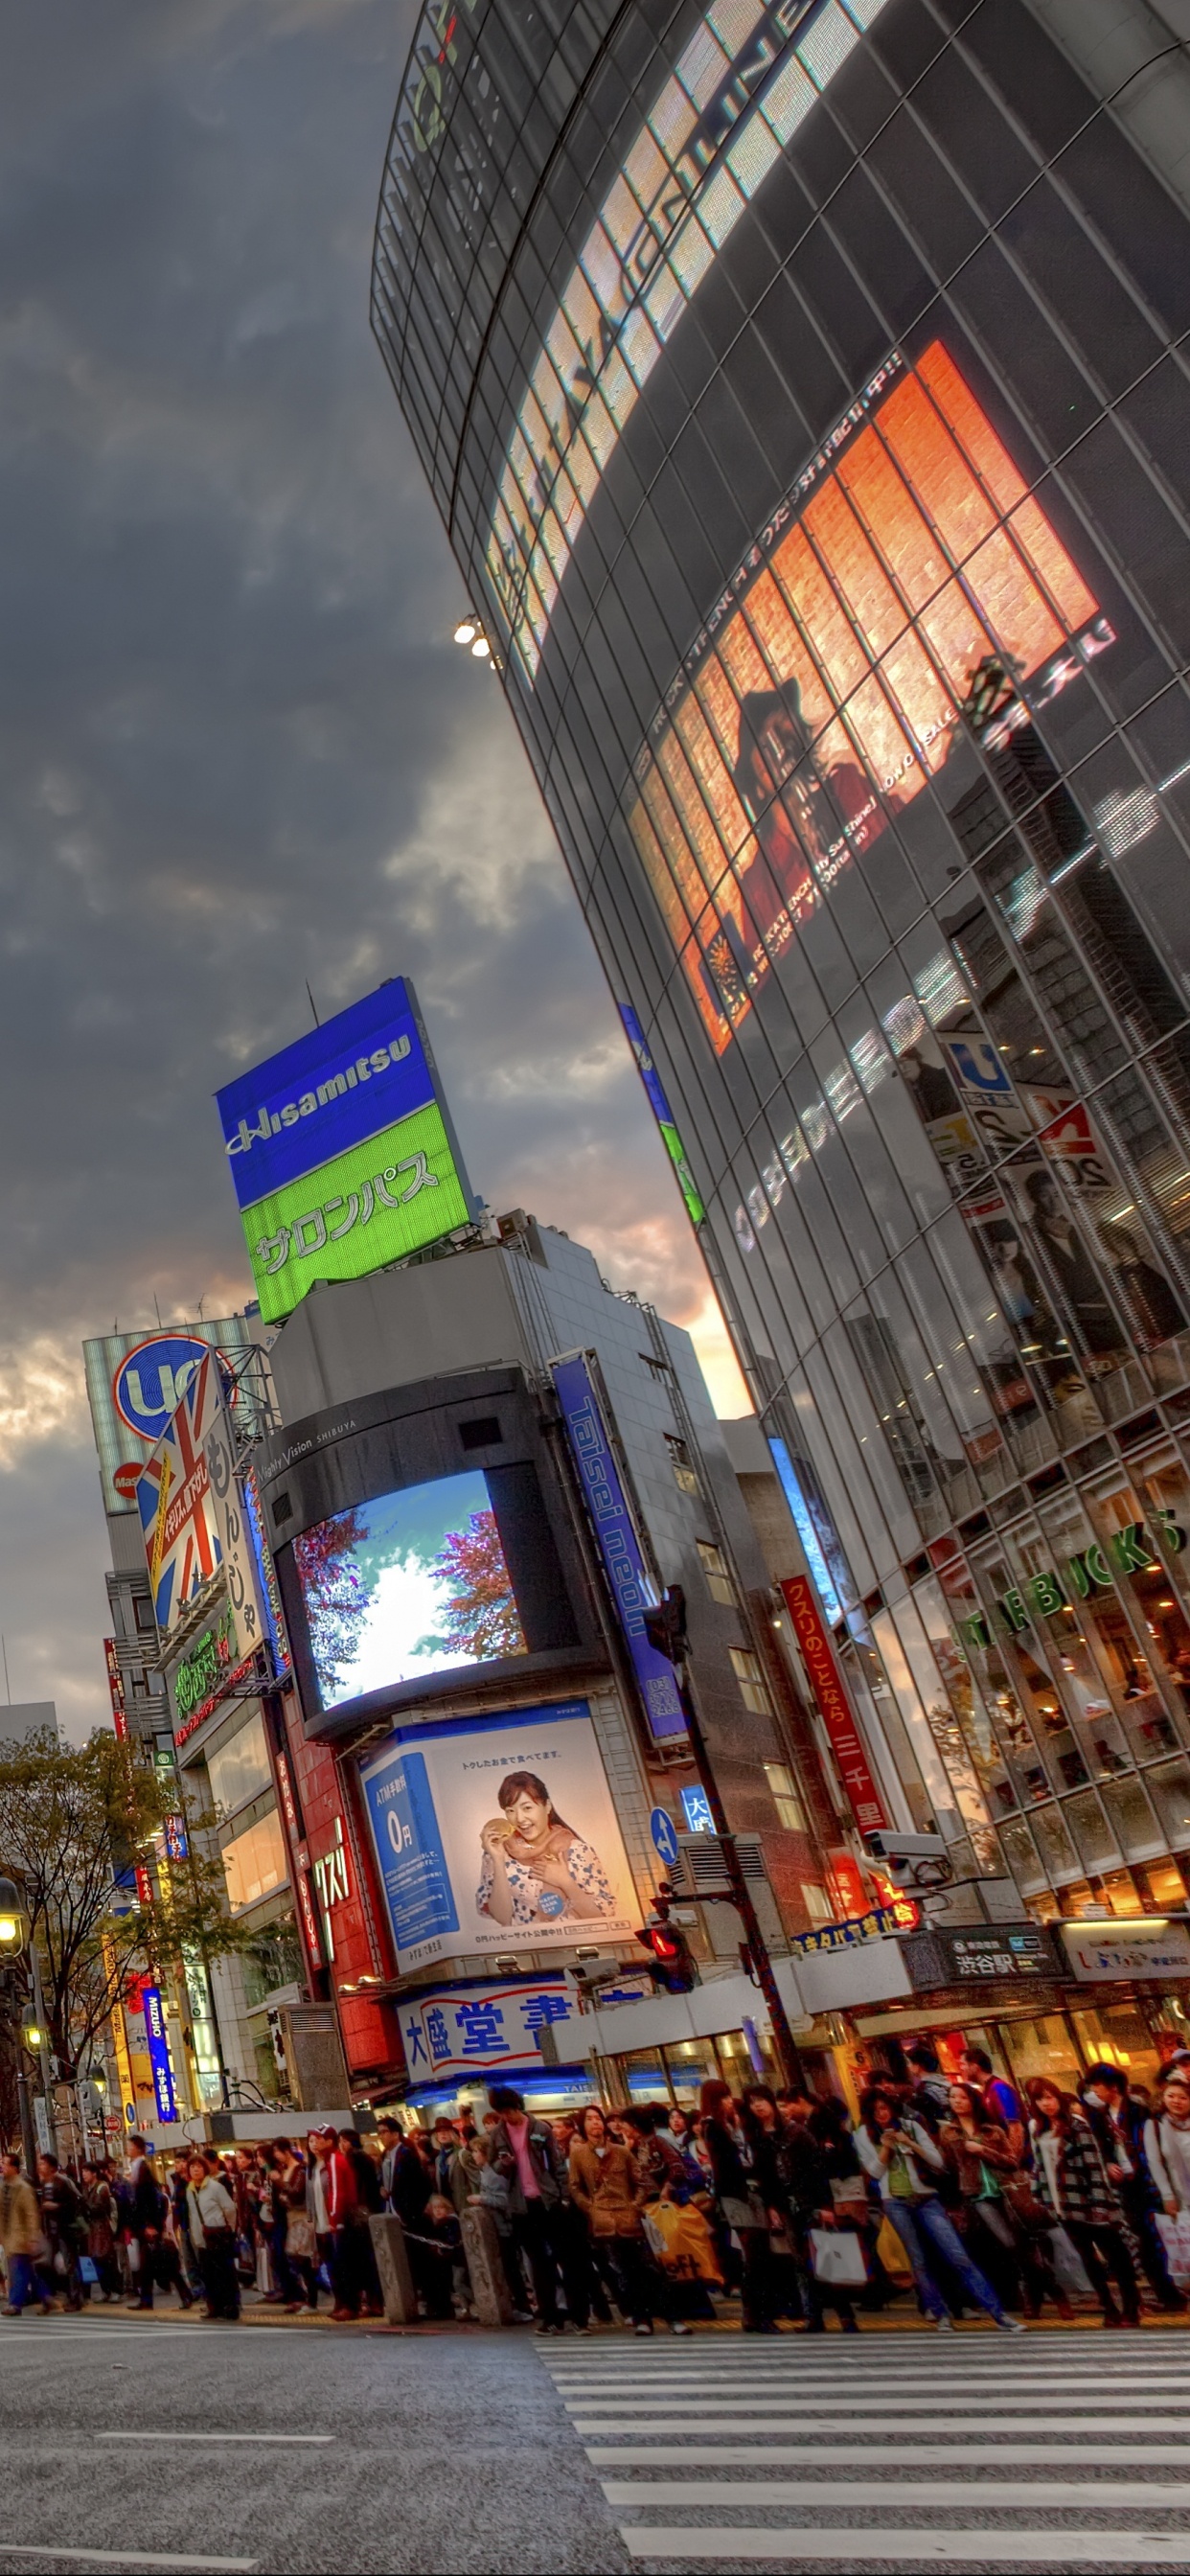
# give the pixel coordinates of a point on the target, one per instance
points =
(666, 1628)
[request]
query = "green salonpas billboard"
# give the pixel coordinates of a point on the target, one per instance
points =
(342, 1151)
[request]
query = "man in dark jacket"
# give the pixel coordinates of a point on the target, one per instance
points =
(805, 2184)
(144, 2216)
(524, 2152)
(62, 2219)
(1119, 2126)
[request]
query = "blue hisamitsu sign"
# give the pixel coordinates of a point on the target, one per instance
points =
(349, 1080)
(615, 1529)
(158, 2048)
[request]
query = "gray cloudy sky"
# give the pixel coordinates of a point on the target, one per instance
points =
(237, 745)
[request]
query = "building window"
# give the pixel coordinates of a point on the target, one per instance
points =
(785, 1798)
(683, 1465)
(753, 1686)
(816, 1901)
(255, 1862)
(714, 1566)
(240, 1768)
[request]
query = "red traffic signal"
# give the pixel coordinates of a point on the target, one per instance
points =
(672, 1964)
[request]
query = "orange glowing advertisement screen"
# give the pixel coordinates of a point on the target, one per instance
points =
(817, 707)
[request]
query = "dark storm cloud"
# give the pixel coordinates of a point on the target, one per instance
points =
(237, 746)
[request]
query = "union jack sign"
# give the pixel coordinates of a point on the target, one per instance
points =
(175, 1502)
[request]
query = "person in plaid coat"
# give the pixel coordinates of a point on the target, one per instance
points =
(1072, 2181)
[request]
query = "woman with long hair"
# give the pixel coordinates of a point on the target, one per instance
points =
(608, 2186)
(1012, 2226)
(536, 1868)
(901, 2156)
(1073, 2184)
(741, 2169)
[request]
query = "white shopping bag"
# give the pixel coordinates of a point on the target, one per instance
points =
(1175, 2236)
(838, 2257)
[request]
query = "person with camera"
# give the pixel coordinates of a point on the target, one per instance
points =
(902, 2158)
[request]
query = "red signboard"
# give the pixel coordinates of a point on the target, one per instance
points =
(115, 1683)
(818, 1655)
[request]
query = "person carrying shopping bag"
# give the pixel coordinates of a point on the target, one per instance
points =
(997, 2203)
(1167, 2154)
(740, 2197)
(827, 2249)
(1072, 2181)
(901, 2157)
(608, 2187)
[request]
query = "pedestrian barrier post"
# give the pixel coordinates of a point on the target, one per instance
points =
(392, 2263)
(489, 2287)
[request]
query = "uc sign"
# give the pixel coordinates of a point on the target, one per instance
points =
(151, 1381)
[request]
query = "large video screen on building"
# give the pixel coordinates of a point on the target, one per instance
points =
(413, 1583)
(817, 704)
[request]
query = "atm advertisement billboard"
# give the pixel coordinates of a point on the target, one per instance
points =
(341, 1151)
(495, 1832)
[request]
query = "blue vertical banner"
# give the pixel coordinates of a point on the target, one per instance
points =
(663, 1114)
(615, 1529)
(158, 2047)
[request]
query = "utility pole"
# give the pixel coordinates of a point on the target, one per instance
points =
(666, 1630)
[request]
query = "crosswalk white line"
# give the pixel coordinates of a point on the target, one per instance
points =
(811, 2381)
(859, 2549)
(911, 2495)
(862, 2409)
(843, 2420)
(894, 2455)
(890, 2458)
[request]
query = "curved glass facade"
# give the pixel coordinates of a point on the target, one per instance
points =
(804, 387)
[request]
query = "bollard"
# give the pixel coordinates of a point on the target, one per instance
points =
(392, 2263)
(481, 2245)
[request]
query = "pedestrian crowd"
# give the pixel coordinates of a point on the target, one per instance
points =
(962, 2194)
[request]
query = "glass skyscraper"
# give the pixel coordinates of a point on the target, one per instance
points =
(804, 388)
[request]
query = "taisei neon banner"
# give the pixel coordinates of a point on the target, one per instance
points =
(615, 1529)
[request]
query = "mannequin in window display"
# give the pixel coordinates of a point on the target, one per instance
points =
(1048, 1364)
(1145, 1290)
(1075, 1273)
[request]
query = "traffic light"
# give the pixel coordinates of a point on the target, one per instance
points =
(665, 1627)
(672, 1965)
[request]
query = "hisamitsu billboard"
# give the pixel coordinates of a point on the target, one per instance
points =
(341, 1150)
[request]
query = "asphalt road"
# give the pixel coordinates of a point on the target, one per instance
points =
(257, 2451)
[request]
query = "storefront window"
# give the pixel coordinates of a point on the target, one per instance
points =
(1054, 1844)
(1041, 2047)
(1119, 2034)
(1141, 1552)
(1169, 1787)
(1021, 1854)
(643, 2071)
(1136, 1828)
(952, 1797)
(690, 2064)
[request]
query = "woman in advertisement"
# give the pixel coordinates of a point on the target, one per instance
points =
(537, 1869)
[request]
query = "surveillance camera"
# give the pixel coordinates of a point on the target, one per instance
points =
(913, 1861)
(888, 1844)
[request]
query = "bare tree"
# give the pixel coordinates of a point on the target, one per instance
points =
(75, 1826)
